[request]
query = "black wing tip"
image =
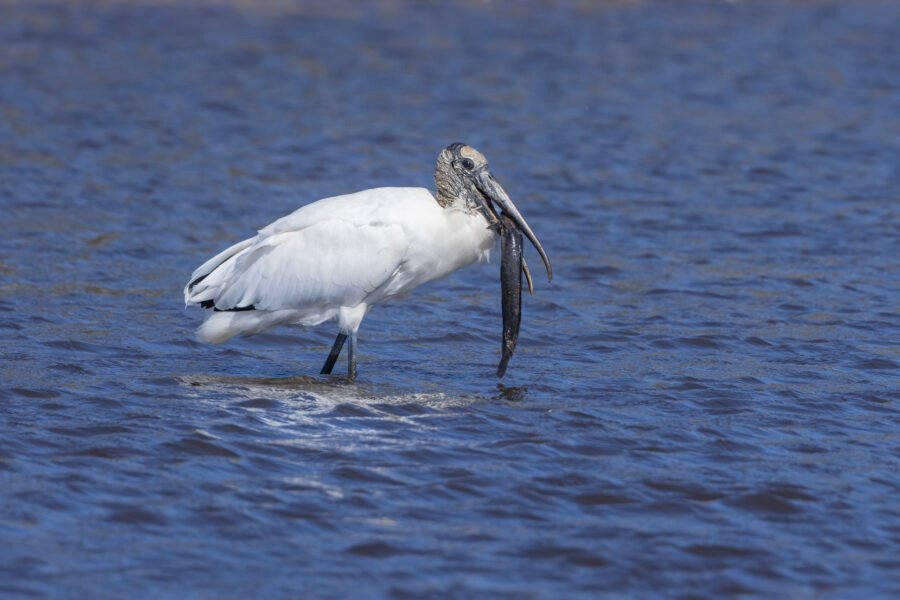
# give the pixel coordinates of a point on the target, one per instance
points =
(235, 309)
(212, 304)
(196, 281)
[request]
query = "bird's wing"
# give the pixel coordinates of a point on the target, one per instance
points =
(328, 263)
(335, 251)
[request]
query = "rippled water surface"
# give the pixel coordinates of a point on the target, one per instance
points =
(703, 403)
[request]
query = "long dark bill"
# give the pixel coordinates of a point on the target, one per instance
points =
(511, 268)
(488, 186)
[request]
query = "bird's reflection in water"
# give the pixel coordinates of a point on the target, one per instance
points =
(511, 393)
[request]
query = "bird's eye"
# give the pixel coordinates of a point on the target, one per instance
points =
(467, 164)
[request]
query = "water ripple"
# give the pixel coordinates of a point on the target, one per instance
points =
(703, 402)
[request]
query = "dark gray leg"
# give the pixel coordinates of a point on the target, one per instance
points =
(351, 357)
(333, 355)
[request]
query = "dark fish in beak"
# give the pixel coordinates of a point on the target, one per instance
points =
(505, 218)
(512, 266)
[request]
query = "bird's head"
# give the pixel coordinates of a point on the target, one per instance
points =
(465, 182)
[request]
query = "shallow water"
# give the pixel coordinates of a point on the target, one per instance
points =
(703, 403)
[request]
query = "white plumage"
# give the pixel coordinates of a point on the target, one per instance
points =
(335, 258)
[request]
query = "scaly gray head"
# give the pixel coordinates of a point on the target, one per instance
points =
(464, 182)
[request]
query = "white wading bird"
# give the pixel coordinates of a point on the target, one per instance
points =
(337, 257)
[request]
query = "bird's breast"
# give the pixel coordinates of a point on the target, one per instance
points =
(441, 245)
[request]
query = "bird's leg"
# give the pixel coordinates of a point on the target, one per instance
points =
(351, 357)
(335, 352)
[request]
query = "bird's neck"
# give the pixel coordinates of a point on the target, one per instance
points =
(451, 192)
(444, 199)
(456, 197)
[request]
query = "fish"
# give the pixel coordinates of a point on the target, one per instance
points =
(512, 268)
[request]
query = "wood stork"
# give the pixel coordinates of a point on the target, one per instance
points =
(335, 258)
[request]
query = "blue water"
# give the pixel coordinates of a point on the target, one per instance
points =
(704, 403)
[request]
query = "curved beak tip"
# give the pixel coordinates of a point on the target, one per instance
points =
(494, 191)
